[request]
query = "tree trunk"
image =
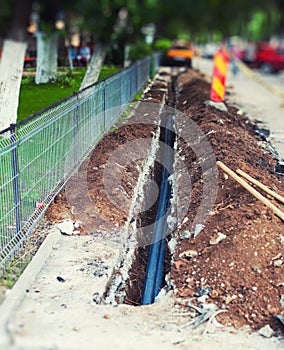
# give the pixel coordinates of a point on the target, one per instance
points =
(12, 62)
(70, 59)
(47, 56)
(126, 60)
(95, 66)
(11, 69)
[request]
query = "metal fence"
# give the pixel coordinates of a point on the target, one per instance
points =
(33, 153)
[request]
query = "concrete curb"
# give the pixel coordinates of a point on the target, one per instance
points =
(17, 293)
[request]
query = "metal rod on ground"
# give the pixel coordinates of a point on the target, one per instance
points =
(260, 185)
(251, 190)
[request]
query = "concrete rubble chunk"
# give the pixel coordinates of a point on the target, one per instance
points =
(219, 105)
(266, 331)
(278, 263)
(185, 235)
(198, 229)
(66, 227)
(188, 254)
(217, 239)
(171, 221)
(78, 224)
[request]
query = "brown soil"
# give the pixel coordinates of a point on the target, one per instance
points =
(240, 270)
(102, 207)
(244, 273)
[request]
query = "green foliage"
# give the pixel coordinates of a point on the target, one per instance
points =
(140, 50)
(14, 271)
(107, 71)
(263, 23)
(97, 16)
(162, 44)
(138, 96)
(68, 80)
(256, 24)
(5, 13)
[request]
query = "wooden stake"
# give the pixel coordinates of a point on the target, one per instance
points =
(260, 185)
(251, 190)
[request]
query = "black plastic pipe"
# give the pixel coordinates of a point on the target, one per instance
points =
(153, 282)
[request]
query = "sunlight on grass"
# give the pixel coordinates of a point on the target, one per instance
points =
(34, 98)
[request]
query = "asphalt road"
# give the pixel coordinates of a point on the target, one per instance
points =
(274, 79)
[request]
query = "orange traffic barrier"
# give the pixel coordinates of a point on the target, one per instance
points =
(220, 62)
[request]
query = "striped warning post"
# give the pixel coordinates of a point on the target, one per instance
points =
(220, 63)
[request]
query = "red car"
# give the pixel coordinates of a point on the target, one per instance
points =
(270, 59)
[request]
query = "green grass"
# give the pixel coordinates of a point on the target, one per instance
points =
(107, 71)
(34, 97)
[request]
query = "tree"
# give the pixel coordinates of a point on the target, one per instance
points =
(47, 42)
(12, 61)
(279, 5)
(98, 19)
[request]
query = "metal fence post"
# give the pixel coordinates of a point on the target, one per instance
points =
(136, 78)
(75, 127)
(15, 172)
(149, 61)
(121, 90)
(104, 104)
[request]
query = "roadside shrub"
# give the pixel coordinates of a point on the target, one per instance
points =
(140, 50)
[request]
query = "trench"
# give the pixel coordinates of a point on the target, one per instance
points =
(152, 260)
(149, 262)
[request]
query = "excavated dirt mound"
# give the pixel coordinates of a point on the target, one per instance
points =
(104, 207)
(243, 273)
